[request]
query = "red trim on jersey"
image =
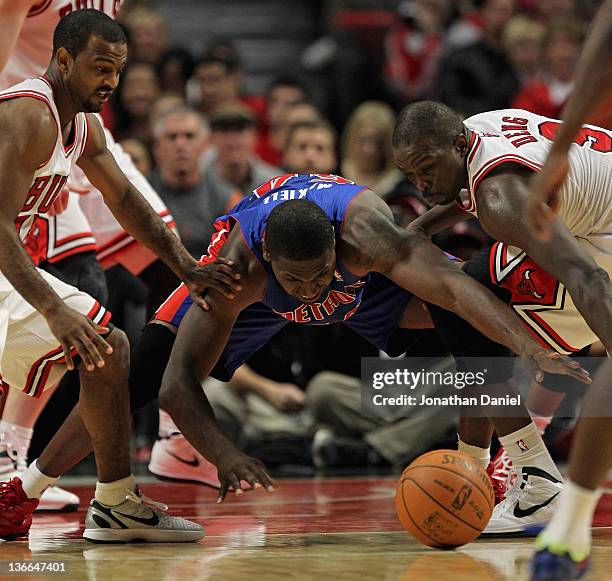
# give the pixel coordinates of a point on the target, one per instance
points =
(49, 359)
(551, 332)
(39, 8)
(91, 247)
(87, 132)
(168, 308)
(497, 161)
(73, 237)
(492, 255)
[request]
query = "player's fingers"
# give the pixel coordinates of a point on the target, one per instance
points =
(235, 484)
(84, 355)
(263, 477)
(100, 341)
(249, 477)
(228, 270)
(67, 356)
(92, 350)
(222, 492)
(224, 282)
(200, 301)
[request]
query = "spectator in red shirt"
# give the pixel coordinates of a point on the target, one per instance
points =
(547, 92)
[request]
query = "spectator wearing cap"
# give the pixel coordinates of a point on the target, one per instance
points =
(234, 164)
(181, 137)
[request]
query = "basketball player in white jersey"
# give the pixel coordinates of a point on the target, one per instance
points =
(485, 163)
(68, 243)
(48, 125)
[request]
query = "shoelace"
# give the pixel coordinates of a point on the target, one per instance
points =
(142, 499)
(514, 491)
(18, 454)
(8, 494)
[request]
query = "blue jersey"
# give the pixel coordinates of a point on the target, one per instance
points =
(333, 195)
(372, 305)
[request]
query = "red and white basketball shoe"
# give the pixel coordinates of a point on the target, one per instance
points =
(501, 474)
(174, 458)
(15, 510)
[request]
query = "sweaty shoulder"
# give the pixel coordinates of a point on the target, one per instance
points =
(369, 236)
(28, 125)
(96, 140)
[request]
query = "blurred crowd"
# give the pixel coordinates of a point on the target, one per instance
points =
(203, 142)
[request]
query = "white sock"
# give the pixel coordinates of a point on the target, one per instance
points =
(481, 455)
(166, 426)
(541, 422)
(570, 526)
(35, 482)
(16, 438)
(113, 493)
(526, 448)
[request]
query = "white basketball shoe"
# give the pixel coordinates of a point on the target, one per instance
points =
(529, 504)
(137, 518)
(174, 458)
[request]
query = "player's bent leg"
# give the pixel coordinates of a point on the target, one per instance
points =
(172, 456)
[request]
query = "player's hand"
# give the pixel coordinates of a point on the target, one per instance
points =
(234, 466)
(219, 275)
(553, 362)
(60, 204)
(76, 331)
(285, 397)
(543, 196)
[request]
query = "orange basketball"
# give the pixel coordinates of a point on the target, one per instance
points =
(444, 499)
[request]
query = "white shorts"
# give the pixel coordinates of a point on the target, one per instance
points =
(542, 301)
(31, 357)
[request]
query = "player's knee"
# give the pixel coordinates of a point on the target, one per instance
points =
(118, 340)
(319, 393)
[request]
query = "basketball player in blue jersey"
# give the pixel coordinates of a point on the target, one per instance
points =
(311, 249)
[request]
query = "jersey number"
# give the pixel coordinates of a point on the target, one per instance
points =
(39, 187)
(597, 139)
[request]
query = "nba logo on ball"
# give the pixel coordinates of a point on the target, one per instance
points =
(444, 499)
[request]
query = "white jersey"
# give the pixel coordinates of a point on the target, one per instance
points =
(32, 52)
(31, 57)
(520, 137)
(49, 179)
(585, 206)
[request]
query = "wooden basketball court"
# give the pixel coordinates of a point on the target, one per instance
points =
(340, 528)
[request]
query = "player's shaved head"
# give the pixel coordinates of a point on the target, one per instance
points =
(427, 121)
(299, 230)
(75, 29)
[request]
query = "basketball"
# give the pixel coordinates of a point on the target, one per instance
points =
(444, 499)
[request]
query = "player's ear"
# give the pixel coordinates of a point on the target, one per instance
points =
(64, 60)
(460, 143)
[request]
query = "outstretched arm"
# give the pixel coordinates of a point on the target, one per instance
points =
(414, 263)
(438, 219)
(138, 218)
(501, 202)
(593, 85)
(201, 338)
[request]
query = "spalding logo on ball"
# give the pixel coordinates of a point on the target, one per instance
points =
(444, 499)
